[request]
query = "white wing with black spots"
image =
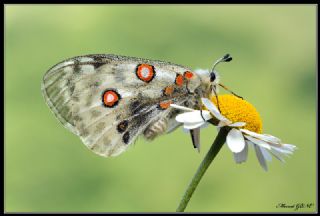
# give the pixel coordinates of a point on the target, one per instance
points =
(110, 100)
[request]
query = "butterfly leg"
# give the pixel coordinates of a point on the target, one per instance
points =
(216, 95)
(223, 86)
(201, 95)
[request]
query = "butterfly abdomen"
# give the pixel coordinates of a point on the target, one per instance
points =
(155, 129)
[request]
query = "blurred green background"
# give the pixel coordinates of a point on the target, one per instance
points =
(47, 168)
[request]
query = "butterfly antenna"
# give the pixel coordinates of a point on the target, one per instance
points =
(225, 58)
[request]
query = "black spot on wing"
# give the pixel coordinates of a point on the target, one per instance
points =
(137, 106)
(122, 126)
(76, 66)
(134, 107)
(71, 88)
(98, 62)
(126, 137)
(141, 120)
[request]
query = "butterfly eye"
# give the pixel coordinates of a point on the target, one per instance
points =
(212, 77)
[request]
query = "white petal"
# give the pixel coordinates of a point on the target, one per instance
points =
(281, 150)
(185, 130)
(204, 125)
(193, 117)
(222, 124)
(266, 154)
(237, 124)
(260, 157)
(258, 142)
(214, 110)
(241, 156)
(205, 114)
(190, 126)
(264, 137)
(249, 143)
(181, 107)
(277, 155)
(270, 138)
(235, 140)
(289, 147)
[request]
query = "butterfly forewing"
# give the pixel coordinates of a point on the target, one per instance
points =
(110, 100)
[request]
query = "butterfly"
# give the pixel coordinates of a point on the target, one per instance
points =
(109, 100)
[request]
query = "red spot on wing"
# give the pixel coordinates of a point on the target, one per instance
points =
(110, 98)
(179, 80)
(188, 74)
(165, 104)
(145, 72)
(168, 90)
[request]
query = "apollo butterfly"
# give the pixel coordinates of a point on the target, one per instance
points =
(109, 100)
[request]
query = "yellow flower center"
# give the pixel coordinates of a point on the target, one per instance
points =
(239, 110)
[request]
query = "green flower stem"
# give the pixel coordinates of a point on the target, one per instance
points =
(213, 151)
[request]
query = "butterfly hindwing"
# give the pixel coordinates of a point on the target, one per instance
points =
(110, 100)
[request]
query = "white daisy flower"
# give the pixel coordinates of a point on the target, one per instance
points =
(245, 124)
